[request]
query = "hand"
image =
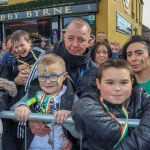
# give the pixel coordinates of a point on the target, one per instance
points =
(22, 112)
(67, 146)
(21, 79)
(24, 69)
(61, 115)
(39, 128)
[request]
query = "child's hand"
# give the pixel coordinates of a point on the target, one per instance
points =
(22, 112)
(61, 115)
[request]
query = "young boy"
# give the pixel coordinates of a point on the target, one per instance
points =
(97, 111)
(26, 55)
(20, 66)
(48, 95)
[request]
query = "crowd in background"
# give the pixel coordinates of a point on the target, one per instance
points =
(70, 77)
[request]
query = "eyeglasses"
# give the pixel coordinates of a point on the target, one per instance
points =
(52, 78)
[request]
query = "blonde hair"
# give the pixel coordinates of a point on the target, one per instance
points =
(115, 43)
(50, 59)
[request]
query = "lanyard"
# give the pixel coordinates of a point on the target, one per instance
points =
(26, 63)
(44, 103)
(124, 128)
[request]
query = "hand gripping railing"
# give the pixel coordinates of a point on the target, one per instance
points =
(50, 118)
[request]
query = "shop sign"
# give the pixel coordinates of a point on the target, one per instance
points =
(123, 25)
(3, 1)
(91, 19)
(72, 9)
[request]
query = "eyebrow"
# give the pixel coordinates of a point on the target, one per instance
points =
(114, 80)
(136, 50)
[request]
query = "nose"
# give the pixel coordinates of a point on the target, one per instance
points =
(19, 48)
(75, 43)
(133, 57)
(47, 80)
(101, 54)
(117, 88)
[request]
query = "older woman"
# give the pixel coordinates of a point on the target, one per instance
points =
(137, 52)
(100, 52)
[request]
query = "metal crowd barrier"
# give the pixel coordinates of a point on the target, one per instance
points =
(50, 118)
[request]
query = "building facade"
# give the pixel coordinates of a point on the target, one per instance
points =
(119, 19)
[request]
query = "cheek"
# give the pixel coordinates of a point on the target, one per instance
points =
(105, 91)
(127, 91)
(41, 84)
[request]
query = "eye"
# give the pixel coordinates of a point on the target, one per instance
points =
(139, 52)
(70, 39)
(124, 82)
(81, 40)
(105, 52)
(129, 54)
(109, 82)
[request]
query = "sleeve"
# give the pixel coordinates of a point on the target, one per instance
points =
(99, 127)
(20, 102)
(5, 72)
(140, 136)
(4, 99)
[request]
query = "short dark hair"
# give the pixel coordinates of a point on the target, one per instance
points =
(135, 39)
(96, 46)
(19, 34)
(116, 63)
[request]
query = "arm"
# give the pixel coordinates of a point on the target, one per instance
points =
(140, 136)
(20, 102)
(96, 123)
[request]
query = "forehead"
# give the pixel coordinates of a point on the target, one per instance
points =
(137, 46)
(75, 30)
(102, 47)
(21, 40)
(55, 67)
(116, 73)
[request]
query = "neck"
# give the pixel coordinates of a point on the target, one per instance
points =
(143, 76)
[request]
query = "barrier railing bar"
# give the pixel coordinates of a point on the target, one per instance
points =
(50, 118)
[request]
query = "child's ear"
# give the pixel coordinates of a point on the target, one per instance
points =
(65, 75)
(98, 83)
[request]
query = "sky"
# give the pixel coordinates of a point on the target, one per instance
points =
(146, 13)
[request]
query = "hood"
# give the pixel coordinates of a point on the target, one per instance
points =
(9, 86)
(73, 60)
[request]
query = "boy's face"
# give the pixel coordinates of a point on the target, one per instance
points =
(115, 85)
(22, 47)
(51, 86)
(114, 48)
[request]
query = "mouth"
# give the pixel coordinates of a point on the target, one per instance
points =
(74, 52)
(135, 66)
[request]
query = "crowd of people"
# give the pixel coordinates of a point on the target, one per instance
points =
(94, 82)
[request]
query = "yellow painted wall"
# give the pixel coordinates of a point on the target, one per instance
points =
(102, 18)
(109, 19)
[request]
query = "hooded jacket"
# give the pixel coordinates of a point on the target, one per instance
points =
(103, 131)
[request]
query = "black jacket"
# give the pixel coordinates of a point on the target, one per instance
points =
(103, 131)
(81, 69)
